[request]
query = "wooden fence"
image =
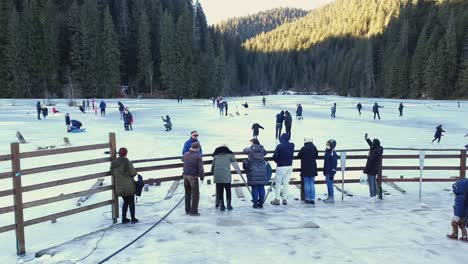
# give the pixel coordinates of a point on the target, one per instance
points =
(17, 173)
(169, 169)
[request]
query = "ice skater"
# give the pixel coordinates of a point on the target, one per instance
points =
(400, 109)
(45, 111)
(375, 109)
(121, 109)
(299, 112)
(102, 106)
(359, 107)
(460, 210)
(264, 101)
(39, 110)
(168, 123)
(279, 124)
(67, 121)
(225, 103)
(127, 118)
(333, 110)
(288, 122)
(256, 129)
(221, 108)
(246, 105)
(76, 126)
(438, 134)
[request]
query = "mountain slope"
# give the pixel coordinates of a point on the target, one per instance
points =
(252, 25)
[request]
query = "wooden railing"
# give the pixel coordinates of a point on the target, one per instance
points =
(170, 169)
(17, 173)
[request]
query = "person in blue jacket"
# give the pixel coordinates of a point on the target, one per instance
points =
(283, 156)
(102, 106)
(329, 168)
(460, 210)
(193, 138)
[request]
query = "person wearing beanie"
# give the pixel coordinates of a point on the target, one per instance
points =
(188, 143)
(123, 171)
(193, 169)
(283, 156)
(308, 156)
(373, 165)
(329, 168)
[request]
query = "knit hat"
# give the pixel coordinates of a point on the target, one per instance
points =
(308, 140)
(195, 145)
(123, 152)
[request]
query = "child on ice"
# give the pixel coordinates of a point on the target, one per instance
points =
(460, 210)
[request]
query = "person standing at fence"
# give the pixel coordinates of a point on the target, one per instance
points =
(193, 169)
(460, 210)
(283, 156)
(279, 124)
(373, 165)
(257, 172)
(256, 129)
(102, 106)
(329, 169)
(193, 138)
(308, 156)
(221, 169)
(123, 171)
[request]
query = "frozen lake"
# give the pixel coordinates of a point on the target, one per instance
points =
(333, 242)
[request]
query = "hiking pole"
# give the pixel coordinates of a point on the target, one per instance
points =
(343, 168)
(237, 168)
(270, 188)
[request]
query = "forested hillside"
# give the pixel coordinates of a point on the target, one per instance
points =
(253, 25)
(84, 48)
(407, 48)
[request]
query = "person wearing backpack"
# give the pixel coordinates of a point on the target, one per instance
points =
(256, 172)
(329, 168)
(308, 156)
(221, 169)
(460, 210)
(283, 156)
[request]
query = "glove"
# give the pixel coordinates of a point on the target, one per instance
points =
(202, 178)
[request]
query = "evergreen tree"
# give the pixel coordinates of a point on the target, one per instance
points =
(169, 57)
(145, 63)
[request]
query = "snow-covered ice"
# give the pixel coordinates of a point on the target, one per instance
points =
(398, 230)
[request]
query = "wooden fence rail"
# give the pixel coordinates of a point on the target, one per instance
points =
(169, 164)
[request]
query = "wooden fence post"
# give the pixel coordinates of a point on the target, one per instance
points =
(379, 181)
(463, 164)
(302, 189)
(115, 198)
(17, 198)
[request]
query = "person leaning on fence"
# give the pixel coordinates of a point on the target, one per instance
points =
(373, 165)
(460, 210)
(329, 168)
(256, 172)
(123, 171)
(193, 138)
(308, 156)
(283, 156)
(221, 169)
(193, 169)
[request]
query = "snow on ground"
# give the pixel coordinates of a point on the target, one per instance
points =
(352, 231)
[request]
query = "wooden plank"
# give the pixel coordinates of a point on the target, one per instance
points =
(5, 157)
(65, 197)
(160, 167)
(172, 190)
(63, 150)
(343, 191)
(66, 213)
(417, 168)
(463, 164)
(7, 209)
(86, 196)
(239, 191)
(5, 175)
(64, 166)
(18, 199)
(165, 179)
(64, 181)
(394, 186)
(417, 180)
(115, 198)
(7, 228)
(6, 193)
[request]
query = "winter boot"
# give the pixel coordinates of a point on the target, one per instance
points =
(221, 205)
(312, 202)
(125, 220)
(454, 234)
(285, 202)
(329, 200)
(229, 207)
(275, 202)
(255, 205)
(260, 204)
(134, 221)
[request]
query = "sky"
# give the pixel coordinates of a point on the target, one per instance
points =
(218, 10)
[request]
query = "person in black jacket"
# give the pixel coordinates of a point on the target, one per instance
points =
(438, 134)
(45, 111)
(373, 165)
(121, 109)
(359, 107)
(400, 109)
(127, 117)
(39, 110)
(288, 122)
(299, 112)
(225, 108)
(67, 121)
(256, 127)
(279, 124)
(308, 156)
(246, 105)
(375, 109)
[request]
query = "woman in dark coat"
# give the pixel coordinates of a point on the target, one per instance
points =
(256, 129)
(330, 161)
(373, 165)
(123, 171)
(221, 169)
(308, 156)
(256, 176)
(438, 134)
